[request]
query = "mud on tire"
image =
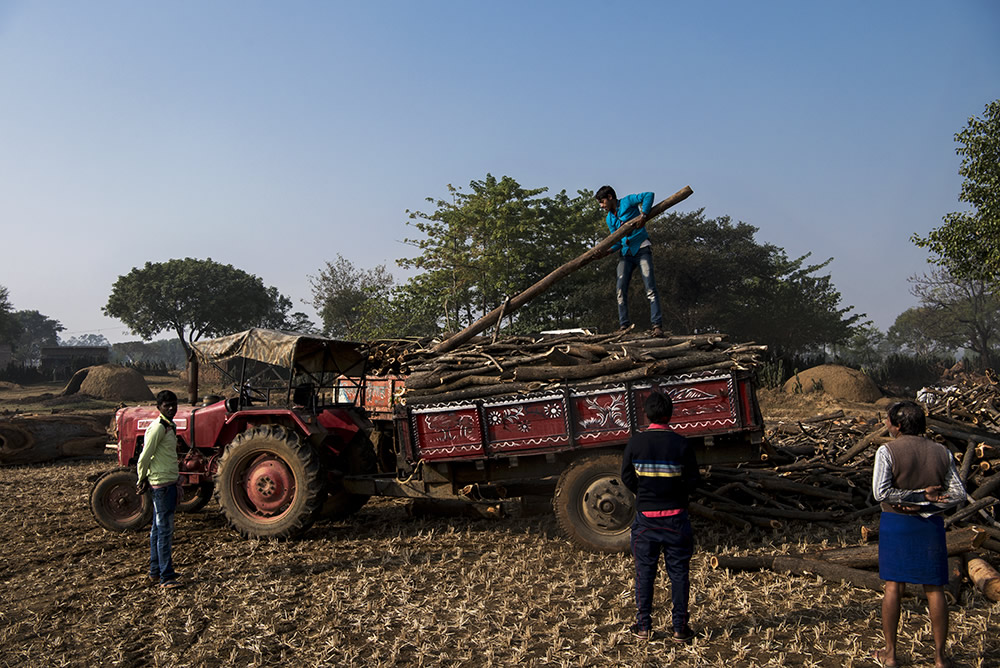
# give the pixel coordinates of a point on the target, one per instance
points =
(270, 483)
(592, 505)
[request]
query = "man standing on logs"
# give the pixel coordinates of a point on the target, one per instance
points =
(660, 468)
(636, 251)
(157, 468)
(915, 479)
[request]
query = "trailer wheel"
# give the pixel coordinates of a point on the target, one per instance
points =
(269, 483)
(195, 497)
(592, 505)
(116, 506)
(358, 458)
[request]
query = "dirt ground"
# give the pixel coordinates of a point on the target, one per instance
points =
(385, 588)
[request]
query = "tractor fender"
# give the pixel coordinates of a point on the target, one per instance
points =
(340, 423)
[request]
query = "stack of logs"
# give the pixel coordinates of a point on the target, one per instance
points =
(515, 364)
(820, 470)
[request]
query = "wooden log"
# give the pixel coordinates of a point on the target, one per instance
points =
(779, 513)
(962, 432)
(584, 372)
(983, 576)
(777, 483)
(472, 393)
(970, 449)
(699, 510)
(29, 439)
(862, 445)
(866, 556)
(597, 252)
(799, 566)
(970, 509)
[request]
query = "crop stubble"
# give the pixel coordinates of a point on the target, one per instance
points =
(385, 588)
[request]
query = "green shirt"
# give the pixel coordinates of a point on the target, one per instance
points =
(158, 460)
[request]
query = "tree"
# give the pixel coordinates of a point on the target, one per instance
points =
(713, 276)
(490, 244)
(349, 300)
(921, 331)
(956, 313)
(10, 330)
(966, 244)
(194, 299)
(36, 331)
(89, 340)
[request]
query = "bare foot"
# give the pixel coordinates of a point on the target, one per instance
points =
(943, 663)
(883, 658)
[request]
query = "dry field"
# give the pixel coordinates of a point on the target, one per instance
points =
(389, 589)
(386, 588)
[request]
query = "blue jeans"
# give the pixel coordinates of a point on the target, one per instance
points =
(626, 265)
(161, 535)
(671, 536)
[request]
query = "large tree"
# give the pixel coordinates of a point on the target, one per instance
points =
(349, 299)
(36, 330)
(194, 299)
(954, 313)
(713, 275)
(491, 243)
(966, 244)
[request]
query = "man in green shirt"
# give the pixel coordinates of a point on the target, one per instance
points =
(158, 470)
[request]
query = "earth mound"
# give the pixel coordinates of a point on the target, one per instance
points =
(114, 382)
(840, 382)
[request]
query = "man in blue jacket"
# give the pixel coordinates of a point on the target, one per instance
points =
(636, 251)
(660, 468)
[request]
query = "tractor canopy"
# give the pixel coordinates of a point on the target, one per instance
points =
(297, 352)
(264, 364)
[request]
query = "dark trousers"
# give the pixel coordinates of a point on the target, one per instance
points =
(671, 536)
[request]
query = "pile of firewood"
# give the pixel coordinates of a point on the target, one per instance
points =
(820, 471)
(483, 367)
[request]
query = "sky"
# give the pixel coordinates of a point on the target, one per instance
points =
(275, 135)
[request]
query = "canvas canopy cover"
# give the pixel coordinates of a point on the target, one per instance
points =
(310, 354)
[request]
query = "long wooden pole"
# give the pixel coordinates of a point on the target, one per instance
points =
(598, 251)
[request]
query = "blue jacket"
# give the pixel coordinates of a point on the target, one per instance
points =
(628, 208)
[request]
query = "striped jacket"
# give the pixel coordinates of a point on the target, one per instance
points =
(660, 468)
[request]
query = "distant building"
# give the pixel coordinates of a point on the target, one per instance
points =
(61, 362)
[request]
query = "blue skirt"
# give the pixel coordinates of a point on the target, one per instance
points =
(912, 549)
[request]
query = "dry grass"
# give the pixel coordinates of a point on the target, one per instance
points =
(388, 589)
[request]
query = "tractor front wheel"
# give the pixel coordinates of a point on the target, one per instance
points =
(116, 506)
(269, 483)
(592, 505)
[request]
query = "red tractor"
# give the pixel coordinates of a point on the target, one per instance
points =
(274, 454)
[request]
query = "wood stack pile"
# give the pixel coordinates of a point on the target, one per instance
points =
(820, 471)
(483, 367)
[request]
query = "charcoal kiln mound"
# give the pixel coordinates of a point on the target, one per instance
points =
(112, 382)
(840, 382)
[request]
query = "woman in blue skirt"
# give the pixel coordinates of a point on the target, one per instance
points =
(915, 479)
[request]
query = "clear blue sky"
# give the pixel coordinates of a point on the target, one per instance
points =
(274, 135)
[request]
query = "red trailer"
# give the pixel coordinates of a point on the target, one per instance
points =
(569, 439)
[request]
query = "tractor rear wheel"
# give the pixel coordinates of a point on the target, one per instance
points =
(592, 505)
(270, 483)
(116, 506)
(357, 458)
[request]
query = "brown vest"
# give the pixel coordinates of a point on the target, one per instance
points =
(918, 463)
